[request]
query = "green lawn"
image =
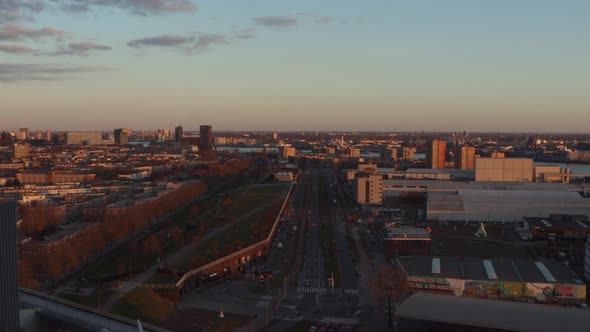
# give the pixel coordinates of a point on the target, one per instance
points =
(247, 232)
(145, 305)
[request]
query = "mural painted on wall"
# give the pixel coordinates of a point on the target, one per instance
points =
(539, 292)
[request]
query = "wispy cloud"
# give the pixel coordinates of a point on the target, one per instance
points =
(207, 39)
(16, 49)
(275, 21)
(139, 7)
(324, 20)
(16, 72)
(14, 32)
(81, 48)
(162, 40)
(19, 10)
(189, 44)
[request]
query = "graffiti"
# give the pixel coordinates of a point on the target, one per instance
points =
(540, 292)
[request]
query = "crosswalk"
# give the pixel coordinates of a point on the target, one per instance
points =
(339, 320)
(321, 290)
(287, 317)
(324, 290)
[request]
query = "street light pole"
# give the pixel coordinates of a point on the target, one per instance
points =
(389, 309)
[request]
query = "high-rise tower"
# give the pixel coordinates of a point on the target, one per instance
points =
(9, 305)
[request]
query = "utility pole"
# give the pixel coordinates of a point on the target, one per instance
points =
(285, 286)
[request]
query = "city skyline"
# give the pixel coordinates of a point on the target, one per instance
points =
(347, 66)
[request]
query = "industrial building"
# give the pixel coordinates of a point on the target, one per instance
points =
(581, 153)
(423, 312)
(9, 303)
(492, 201)
(504, 169)
(539, 281)
(557, 227)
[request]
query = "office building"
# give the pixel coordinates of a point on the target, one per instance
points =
(275, 135)
(287, 151)
(22, 134)
(436, 154)
(353, 152)
(504, 169)
(206, 138)
(465, 157)
(408, 153)
(389, 152)
(178, 134)
(21, 150)
(587, 260)
(368, 189)
(88, 138)
(48, 135)
(9, 303)
(53, 177)
(121, 136)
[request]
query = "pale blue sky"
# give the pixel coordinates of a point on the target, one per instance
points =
(305, 65)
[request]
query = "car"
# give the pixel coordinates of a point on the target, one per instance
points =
(307, 283)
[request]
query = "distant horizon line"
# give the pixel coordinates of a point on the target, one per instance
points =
(311, 131)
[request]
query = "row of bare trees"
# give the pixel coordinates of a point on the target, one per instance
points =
(51, 260)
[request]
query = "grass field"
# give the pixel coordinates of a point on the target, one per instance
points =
(253, 197)
(91, 301)
(144, 304)
(196, 320)
(252, 229)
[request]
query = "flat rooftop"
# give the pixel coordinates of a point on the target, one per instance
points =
(493, 314)
(406, 232)
(503, 269)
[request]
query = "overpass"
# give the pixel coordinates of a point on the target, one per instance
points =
(80, 315)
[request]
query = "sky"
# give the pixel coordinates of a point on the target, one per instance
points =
(383, 65)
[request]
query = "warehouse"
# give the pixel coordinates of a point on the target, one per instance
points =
(427, 313)
(541, 281)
